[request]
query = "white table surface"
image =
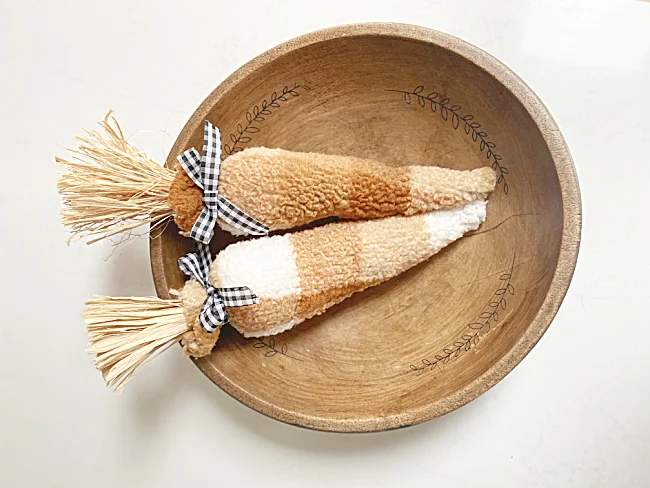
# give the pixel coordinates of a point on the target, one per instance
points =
(575, 413)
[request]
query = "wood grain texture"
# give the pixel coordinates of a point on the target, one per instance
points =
(443, 333)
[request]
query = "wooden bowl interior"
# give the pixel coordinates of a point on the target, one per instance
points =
(382, 358)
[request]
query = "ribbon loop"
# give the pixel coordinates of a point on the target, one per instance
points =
(190, 160)
(204, 171)
(213, 313)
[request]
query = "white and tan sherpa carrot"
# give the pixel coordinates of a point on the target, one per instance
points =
(111, 187)
(295, 276)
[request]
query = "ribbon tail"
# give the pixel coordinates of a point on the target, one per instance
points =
(211, 157)
(239, 296)
(233, 215)
(203, 228)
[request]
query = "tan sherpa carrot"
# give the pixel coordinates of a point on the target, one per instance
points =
(112, 187)
(295, 276)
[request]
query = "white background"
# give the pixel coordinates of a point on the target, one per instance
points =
(575, 413)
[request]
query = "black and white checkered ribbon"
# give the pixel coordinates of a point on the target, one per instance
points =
(213, 313)
(204, 171)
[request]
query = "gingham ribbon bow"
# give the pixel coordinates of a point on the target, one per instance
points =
(204, 171)
(213, 313)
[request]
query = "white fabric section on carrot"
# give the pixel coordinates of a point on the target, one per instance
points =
(445, 226)
(266, 266)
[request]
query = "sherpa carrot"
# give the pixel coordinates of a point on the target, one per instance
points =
(294, 277)
(111, 187)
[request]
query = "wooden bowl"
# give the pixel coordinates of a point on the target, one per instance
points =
(441, 334)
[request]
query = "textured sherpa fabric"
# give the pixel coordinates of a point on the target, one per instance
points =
(299, 275)
(330, 263)
(186, 199)
(285, 189)
(196, 342)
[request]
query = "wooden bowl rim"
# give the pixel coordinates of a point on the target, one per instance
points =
(572, 216)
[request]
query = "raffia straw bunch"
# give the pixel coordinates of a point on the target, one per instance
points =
(110, 187)
(126, 333)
